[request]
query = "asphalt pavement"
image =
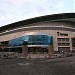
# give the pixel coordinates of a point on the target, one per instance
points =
(58, 66)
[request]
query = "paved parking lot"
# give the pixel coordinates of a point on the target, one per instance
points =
(59, 66)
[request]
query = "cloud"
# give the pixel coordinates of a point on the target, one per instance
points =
(21, 2)
(2, 18)
(50, 7)
(32, 2)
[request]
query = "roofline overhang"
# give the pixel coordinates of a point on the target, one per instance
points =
(53, 17)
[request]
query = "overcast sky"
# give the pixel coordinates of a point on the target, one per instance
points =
(16, 10)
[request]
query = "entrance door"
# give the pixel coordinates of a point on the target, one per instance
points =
(37, 50)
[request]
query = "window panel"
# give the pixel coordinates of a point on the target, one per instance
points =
(31, 40)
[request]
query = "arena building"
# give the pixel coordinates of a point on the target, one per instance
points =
(43, 35)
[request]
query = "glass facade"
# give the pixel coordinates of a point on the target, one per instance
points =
(31, 40)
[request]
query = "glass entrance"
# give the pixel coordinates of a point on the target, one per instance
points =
(37, 50)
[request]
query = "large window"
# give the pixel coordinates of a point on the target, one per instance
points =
(63, 39)
(73, 42)
(63, 44)
(39, 39)
(31, 40)
(60, 49)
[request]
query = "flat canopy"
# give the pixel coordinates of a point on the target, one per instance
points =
(70, 17)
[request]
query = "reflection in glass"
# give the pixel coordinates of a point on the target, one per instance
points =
(31, 40)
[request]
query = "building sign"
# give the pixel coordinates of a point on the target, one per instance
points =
(62, 34)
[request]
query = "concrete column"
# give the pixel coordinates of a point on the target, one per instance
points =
(50, 50)
(25, 50)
